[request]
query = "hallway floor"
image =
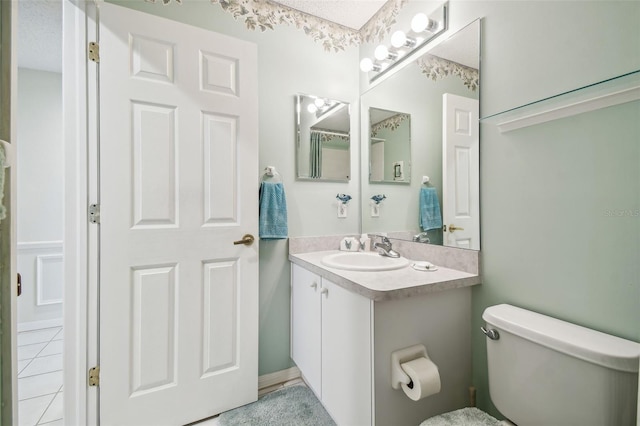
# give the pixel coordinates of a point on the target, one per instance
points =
(40, 377)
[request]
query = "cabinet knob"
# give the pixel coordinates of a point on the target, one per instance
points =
(324, 291)
(314, 286)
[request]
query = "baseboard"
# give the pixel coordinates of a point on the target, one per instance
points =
(278, 378)
(36, 325)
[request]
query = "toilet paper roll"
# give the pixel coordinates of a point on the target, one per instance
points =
(425, 378)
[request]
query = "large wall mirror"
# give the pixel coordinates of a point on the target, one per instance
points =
(438, 94)
(323, 148)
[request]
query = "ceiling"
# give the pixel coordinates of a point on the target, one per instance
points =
(350, 13)
(463, 48)
(40, 34)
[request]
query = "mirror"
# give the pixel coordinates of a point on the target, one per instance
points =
(389, 146)
(322, 139)
(439, 93)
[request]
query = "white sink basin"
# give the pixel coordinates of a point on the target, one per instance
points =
(363, 261)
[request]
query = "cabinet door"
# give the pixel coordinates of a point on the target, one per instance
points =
(346, 355)
(305, 325)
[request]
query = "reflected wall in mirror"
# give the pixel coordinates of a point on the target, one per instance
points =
(322, 138)
(389, 146)
(440, 92)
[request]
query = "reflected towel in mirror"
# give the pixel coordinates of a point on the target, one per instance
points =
(430, 216)
(273, 211)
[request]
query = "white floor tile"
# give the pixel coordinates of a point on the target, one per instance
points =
(53, 348)
(42, 364)
(22, 364)
(59, 335)
(53, 423)
(30, 351)
(41, 384)
(30, 410)
(37, 336)
(55, 410)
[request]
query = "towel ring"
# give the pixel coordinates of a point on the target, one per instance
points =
(271, 174)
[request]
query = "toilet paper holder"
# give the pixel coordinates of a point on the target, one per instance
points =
(398, 376)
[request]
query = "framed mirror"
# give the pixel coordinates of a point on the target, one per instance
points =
(389, 146)
(439, 91)
(323, 141)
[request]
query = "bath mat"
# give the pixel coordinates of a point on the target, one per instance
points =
(290, 406)
(469, 416)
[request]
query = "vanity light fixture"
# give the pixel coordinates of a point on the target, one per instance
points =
(399, 39)
(423, 29)
(367, 65)
(421, 22)
(319, 104)
(382, 53)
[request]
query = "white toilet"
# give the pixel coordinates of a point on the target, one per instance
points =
(543, 371)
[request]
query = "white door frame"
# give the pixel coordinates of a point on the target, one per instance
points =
(80, 237)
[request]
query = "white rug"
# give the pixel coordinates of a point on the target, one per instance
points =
(290, 406)
(469, 416)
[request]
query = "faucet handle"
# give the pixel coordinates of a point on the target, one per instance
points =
(383, 238)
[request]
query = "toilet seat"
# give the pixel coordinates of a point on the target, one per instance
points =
(469, 416)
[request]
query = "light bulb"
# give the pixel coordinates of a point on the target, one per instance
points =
(381, 53)
(398, 39)
(319, 102)
(422, 22)
(366, 65)
(312, 108)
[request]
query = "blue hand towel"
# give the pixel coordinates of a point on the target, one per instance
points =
(273, 211)
(430, 216)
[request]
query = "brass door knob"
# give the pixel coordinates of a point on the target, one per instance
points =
(453, 228)
(247, 240)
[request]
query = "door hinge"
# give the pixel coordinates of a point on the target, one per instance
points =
(94, 213)
(94, 51)
(94, 376)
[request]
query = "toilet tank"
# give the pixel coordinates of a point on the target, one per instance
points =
(544, 371)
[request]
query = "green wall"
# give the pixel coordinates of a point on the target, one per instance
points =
(551, 241)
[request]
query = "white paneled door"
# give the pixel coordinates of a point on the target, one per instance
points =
(461, 172)
(178, 175)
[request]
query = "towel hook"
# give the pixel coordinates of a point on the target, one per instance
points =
(271, 172)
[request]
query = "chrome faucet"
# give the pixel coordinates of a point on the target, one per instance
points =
(422, 237)
(384, 247)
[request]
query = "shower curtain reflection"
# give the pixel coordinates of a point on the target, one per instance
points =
(315, 155)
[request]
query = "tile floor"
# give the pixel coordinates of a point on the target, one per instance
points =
(40, 377)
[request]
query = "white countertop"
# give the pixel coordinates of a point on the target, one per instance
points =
(386, 285)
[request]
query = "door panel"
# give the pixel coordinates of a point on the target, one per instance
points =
(178, 173)
(346, 355)
(461, 192)
(306, 325)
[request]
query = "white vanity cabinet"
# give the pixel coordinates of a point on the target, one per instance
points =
(342, 342)
(331, 345)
